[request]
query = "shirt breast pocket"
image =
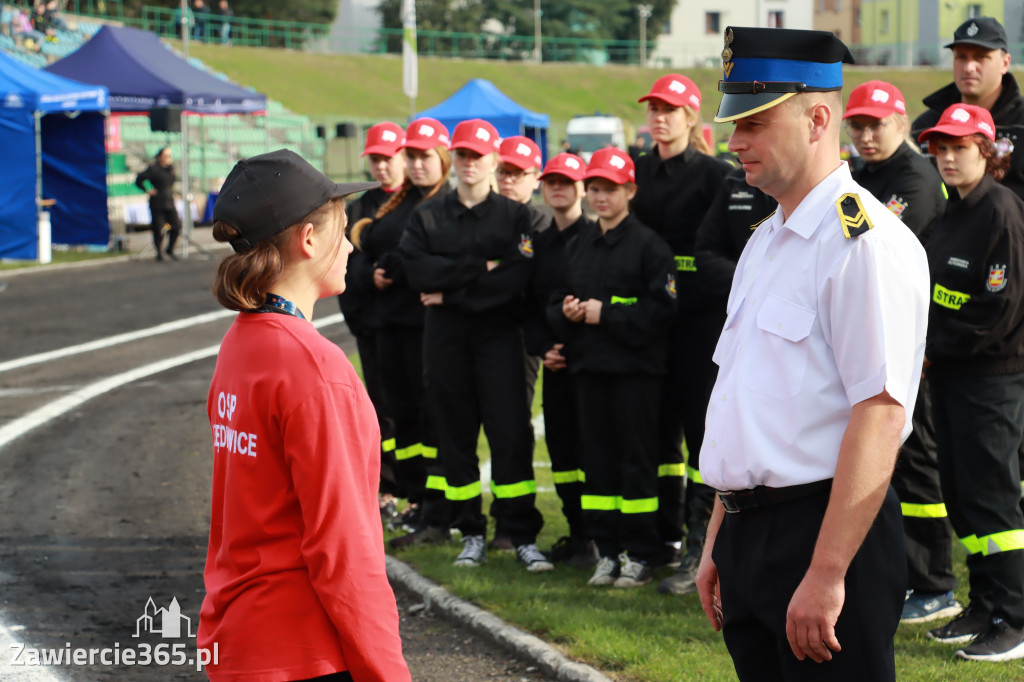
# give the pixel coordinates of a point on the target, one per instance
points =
(777, 361)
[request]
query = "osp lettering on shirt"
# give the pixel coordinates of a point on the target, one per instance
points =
(228, 437)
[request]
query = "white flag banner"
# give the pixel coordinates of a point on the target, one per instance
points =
(410, 72)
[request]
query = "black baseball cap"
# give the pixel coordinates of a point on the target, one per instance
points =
(266, 194)
(763, 67)
(984, 32)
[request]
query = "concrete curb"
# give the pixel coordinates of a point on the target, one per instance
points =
(530, 648)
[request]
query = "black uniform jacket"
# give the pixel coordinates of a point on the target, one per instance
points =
(976, 255)
(162, 179)
(908, 184)
(672, 197)
(631, 271)
(737, 209)
(548, 250)
(1007, 113)
(446, 248)
(399, 305)
(354, 301)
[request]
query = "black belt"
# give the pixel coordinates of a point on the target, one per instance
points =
(736, 501)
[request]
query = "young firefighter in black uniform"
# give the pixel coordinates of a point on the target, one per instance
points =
(562, 187)
(735, 212)
(613, 307)
(161, 177)
(974, 359)
(676, 182)
(397, 325)
(387, 166)
(468, 253)
(908, 184)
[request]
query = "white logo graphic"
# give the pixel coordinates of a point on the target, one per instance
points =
(986, 127)
(170, 621)
(880, 96)
(617, 161)
(572, 163)
(426, 131)
(694, 100)
(901, 106)
(972, 30)
(960, 115)
(14, 101)
(676, 86)
(443, 139)
(482, 134)
(522, 149)
(388, 136)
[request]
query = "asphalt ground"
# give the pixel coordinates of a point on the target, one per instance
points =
(105, 476)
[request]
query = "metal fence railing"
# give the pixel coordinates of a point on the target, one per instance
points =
(244, 30)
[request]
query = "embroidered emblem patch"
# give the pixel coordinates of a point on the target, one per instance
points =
(958, 263)
(526, 246)
(996, 278)
(897, 205)
(727, 54)
(852, 215)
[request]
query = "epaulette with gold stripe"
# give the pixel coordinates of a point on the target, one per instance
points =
(852, 215)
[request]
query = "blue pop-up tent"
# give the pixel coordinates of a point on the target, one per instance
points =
(51, 131)
(480, 98)
(142, 73)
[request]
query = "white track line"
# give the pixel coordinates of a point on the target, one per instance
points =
(44, 414)
(115, 340)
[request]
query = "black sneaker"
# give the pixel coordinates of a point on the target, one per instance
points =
(428, 535)
(999, 642)
(969, 624)
(574, 551)
(684, 580)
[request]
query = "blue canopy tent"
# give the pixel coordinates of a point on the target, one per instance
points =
(480, 98)
(142, 73)
(51, 131)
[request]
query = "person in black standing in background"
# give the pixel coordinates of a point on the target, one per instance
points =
(562, 187)
(909, 186)
(398, 329)
(676, 183)
(387, 166)
(160, 175)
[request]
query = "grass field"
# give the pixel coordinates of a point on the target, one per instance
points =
(639, 635)
(332, 87)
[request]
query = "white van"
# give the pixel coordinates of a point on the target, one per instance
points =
(587, 134)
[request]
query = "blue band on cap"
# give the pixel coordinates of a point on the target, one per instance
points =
(813, 74)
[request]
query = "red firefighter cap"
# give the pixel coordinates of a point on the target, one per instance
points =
(384, 138)
(676, 89)
(476, 134)
(960, 120)
(569, 165)
(877, 99)
(426, 133)
(521, 152)
(611, 164)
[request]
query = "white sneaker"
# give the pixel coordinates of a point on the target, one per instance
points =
(633, 573)
(473, 553)
(533, 559)
(606, 572)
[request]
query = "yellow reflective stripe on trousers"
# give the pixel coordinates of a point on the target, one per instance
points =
(686, 264)
(573, 476)
(924, 511)
(948, 298)
(642, 506)
(671, 470)
(414, 450)
(436, 483)
(693, 474)
(428, 452)
(388, 445)
(464, 492)
(994, 543)
(600, 502)
(521, 489)
(623, 300)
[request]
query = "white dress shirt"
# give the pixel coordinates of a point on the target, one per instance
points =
(817, 322)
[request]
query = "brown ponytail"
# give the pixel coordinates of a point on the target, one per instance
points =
(393, 202)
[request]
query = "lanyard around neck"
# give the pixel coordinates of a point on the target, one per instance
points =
(278, 304)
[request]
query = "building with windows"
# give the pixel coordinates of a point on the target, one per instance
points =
(692, 37)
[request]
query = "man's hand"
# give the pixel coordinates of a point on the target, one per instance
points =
(812, 615)
(553, 359)
(592, 311)
(380, 279)
(432, 298)
(708, 590)
(572, 309)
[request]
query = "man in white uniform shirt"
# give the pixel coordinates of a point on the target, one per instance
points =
(820, 359)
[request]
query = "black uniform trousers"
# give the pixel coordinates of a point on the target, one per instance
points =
(562, 435)
(475, 375)
(618, 416)
(400, 354)
(366, 345)
(686, 390)
(164, 215)
(979, 421)
(926, 530)
(763, 554)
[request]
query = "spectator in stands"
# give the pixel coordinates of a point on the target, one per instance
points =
(21, 27)
(177, 21)
(42, 21)
(202, 18)
(226, 17)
